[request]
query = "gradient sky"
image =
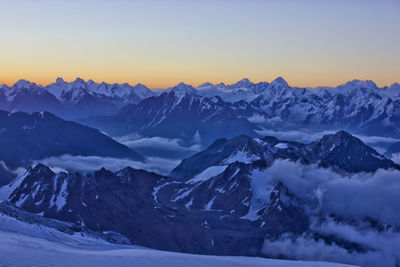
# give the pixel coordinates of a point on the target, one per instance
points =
(161, 43)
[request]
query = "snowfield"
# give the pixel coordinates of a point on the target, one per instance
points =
(24, 244)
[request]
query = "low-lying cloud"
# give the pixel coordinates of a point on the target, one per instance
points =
(357, 199)
(396, 158)
(293, 135)
(94, 163)
(380, 143)
(176, 145)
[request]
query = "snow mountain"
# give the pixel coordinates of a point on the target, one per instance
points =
(358, 106)
(177, 113)
(77, 99)
(223, 200)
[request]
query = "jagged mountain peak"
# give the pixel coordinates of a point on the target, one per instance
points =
(359, 84)
(138, 85)
(79, 80)
(346, 152)
(182, 89)
(182, 85)
(340, 138)
(40, 168)
(24, 84)
(340, 150)
(206, 84)
(60, 81)
(395, 86)
(279, 83)
(243, 83)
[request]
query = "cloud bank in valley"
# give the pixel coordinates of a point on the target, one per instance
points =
(357, 200)
(94, 163)
(161, 146)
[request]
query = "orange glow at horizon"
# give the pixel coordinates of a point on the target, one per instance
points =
(160, 83)
(161, 43)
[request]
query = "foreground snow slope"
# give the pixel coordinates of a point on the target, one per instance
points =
(21, 246)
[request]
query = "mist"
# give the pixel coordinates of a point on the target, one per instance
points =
(85, 164)
(356, 199)
(160, 146)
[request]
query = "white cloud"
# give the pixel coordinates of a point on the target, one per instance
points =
(94, 163)
(377, 139)
(353, 198)
(293, 135)
(376, 195)
(256, 118)
(307, 136)
(396, 158)
(134, 141)
(18, 171)
(307, 248)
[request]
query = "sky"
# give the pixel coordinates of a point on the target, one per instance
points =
(161, 43)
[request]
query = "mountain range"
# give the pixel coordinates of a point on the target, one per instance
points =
(77, 99)
(244, 107)
(220, 201)
(238, 191)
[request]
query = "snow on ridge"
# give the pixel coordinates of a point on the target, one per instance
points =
(282, 145)
(208, 173)
(5, 191)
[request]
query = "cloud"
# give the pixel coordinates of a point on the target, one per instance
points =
(293, 135)
(396, 158)
(256, 118)
(355, 199)
(307, 136)
(377, 139)
(94, 163)
(134, 141)
(308, 248)
(18, 171)
(377, 194)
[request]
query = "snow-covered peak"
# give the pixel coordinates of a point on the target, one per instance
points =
(279, 83)
(244, 83)
(141, 90)
(79, 83)
(182, 89)
(24, 84)
(395, 86)
(206, 84)
(60, 81)
(393, 91)
(359, 84)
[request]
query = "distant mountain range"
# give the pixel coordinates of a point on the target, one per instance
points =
(243, 107)
(215, 111)
(77, 99)
(199, 116)
(177, 113)
(220, 201)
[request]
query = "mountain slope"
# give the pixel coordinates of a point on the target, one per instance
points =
(179, 113)
(125, 202)
(245, 196)
(46, 246)
(26, 137)
(340, 150)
